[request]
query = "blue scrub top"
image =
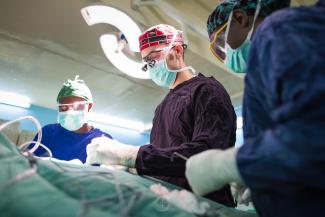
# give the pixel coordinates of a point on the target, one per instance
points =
(65, 144)
(282, 160)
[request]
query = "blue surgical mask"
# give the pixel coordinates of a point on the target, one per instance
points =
(236, 59)
(72, 120)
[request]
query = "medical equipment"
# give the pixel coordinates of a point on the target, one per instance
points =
(57, 188)
(37, 124)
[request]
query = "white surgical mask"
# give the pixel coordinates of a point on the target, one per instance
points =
(73, 120)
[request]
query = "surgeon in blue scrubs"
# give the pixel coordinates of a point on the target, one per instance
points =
(69, 138)
(282, 160)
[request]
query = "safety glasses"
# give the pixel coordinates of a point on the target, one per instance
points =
(151, 59)
(154, 56)
(76, 106)
(218, 43)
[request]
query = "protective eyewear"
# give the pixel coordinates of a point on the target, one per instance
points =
(151, 59)
(76, 106)
(218, 43)
(154, 56)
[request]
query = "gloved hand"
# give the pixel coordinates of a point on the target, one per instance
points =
(104, 150)
(241, 193)
(211, 170)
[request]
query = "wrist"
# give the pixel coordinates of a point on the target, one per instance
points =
(231, 169)
(129, 156)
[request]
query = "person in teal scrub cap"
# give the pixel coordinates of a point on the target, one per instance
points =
(282, 159)
(231, 26)
(69, 138)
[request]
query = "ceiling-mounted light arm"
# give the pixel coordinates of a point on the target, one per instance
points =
(120, 60)
(103, 14)
(108, 15)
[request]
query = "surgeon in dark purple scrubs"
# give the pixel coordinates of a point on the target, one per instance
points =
(196, 115)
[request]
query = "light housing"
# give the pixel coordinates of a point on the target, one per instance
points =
(14, 99)
(104, 14)
(120, 60)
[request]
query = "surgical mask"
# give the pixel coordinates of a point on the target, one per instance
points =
(73, 120)
(236, 59)
(162, 75)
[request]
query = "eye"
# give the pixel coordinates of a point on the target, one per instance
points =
(79, 106)
(63, 108)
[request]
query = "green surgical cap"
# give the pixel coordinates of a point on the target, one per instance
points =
(220, 15)
(77, 88)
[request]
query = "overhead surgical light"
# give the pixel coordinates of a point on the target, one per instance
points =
(119, 122)
(104, 14)
(14, 99)
(120, 60)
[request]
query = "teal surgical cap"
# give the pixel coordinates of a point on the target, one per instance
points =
(77, 88)
(221, 14)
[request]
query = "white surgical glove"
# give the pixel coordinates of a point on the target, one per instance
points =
(241, 193)
(104, 150)
(211, 170)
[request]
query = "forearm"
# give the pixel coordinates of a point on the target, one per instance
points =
(163, 162)
(267, 163)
